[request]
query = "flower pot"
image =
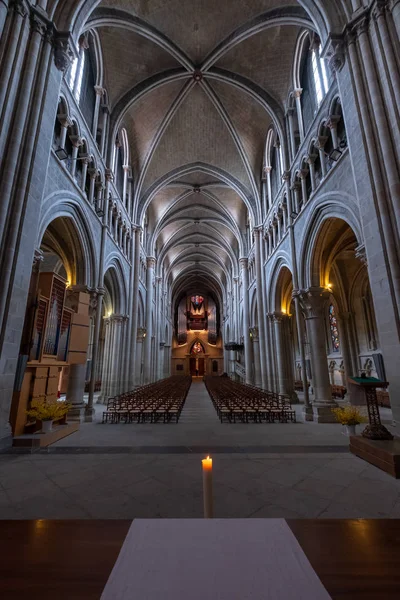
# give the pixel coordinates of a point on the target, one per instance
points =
(350, 430)
(47, 426)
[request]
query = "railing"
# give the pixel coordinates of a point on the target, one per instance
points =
(240, 370)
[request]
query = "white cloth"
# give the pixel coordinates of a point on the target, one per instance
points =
(212, 559)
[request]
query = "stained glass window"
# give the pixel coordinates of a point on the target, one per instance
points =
(334, 328)
(197, 348)
(197, 301)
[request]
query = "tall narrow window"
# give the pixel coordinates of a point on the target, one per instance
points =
(334, 328)
(324, 72)
(78, 87)
(317, 78)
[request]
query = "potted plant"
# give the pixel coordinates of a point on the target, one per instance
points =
(349, 416)
(47, 411)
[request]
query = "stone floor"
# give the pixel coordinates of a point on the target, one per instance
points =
(127, 471)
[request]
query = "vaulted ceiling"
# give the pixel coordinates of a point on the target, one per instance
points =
(197, 85)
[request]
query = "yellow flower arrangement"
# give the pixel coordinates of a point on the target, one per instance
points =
(348, 415)
(47, 410)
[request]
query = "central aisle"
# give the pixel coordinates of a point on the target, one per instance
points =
(198, 408)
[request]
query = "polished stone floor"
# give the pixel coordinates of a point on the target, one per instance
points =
(128, 471)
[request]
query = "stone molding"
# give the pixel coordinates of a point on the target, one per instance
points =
(312, 301)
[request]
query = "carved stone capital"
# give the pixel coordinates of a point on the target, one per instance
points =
(151, 262)
(320, 142)
(99, 90)
(286, 176)
(361, 254)
(38, 25)
(19, 6)
(312, 301)
(361, 26)
(335, 53)
(333, 121)
(64, 50)
(311, 158)
(254, 333)
(244, 263)
(379, 9)
(297, 93)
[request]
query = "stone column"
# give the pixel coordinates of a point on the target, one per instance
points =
(389, 163)
(96, 306)
(125, 186)
(320, 145)
(261, 307)
(379, 13)
(103, 129)
(99, 93)
(85, 165)
(394, 7)
(311, 163)
(303, 176)
(313, 301)
(105, 375)
(17, 15)
(256, 355)
(297, 95)
(307, 409)
(115, 351)
(290, 114)
(92, 175)
(278, 319)
(76, 144)
(3, 14)
(332, 124)
(267, 171)
(75, 391)
(151, 264)
(141, 333)
(296, 192)
(243, 262)
(167, 360)
(344, 319)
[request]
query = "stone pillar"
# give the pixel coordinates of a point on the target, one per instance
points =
(290, 114)
(103, 129)
(105, 375)
(115, 351)
(307, 409)
(167, 360)
(296, 192)
(256, 355)
(313, 302)
(379, 13)
(311, 163)
(151, 264)
(243, 262)
(3, 14)
(76, 144)
(394, 7)
(297, 95)
(261, 306)
(332, 124)
(99, 93)
(141, 336)
(85, 165)
(96, 306)
(75, 392)
(278, 319)
(384, 138)
(135, 300)
(17, 15)
(125, 186)
(320, 145)
(92, 175)
(269, 187)
(303, 176)
(344, 319)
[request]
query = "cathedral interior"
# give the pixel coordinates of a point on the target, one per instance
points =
(200, 225)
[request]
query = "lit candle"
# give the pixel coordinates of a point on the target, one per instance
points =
(207, 488)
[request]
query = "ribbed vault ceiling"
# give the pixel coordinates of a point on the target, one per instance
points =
(197, 146)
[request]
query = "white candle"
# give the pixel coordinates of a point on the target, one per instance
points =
(207, 488)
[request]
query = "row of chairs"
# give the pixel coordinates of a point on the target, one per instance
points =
(245, 403)
(161, 401)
